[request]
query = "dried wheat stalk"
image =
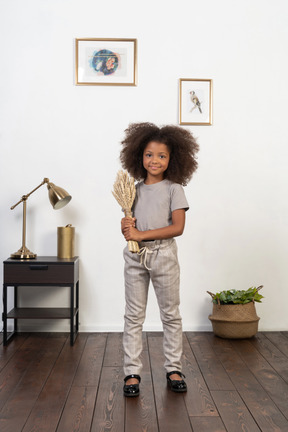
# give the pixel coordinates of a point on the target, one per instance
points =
(124, 192)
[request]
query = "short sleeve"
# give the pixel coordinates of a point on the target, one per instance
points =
(178, 198)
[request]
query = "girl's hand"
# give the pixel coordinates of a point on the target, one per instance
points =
(128, 229)
(131, 233)
(127, 222)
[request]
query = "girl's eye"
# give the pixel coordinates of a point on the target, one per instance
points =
(148, 155)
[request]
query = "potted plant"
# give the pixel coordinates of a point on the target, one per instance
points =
(234, 313)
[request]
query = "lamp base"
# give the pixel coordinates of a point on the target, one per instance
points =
(23, 253)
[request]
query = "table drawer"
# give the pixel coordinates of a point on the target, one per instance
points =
(38, 273)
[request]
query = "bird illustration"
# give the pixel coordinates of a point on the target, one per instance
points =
(195, 101)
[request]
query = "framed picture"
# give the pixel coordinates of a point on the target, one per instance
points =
(195, 101)
(106, 62)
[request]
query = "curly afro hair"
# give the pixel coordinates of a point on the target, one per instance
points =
(180, 142)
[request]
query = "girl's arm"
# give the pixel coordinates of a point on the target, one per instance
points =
(175, 229)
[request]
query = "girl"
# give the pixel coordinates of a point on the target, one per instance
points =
(162, 160)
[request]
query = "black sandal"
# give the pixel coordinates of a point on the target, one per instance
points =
(131, 390)
(178, 386)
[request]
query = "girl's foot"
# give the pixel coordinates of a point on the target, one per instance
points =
(175, 381)
(131, 386)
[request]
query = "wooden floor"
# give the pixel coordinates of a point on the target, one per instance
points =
(46, 385)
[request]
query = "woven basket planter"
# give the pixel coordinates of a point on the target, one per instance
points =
(234, 321)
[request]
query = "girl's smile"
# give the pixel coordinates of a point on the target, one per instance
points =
(156, 157)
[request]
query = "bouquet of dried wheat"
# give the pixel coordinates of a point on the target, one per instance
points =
(124, 191)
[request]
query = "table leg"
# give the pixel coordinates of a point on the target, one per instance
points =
(77, 307)
(71, 314)
(6, 337)
(15, 306)
(4, 316)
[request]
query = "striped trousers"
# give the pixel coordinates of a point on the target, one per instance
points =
(160, 265)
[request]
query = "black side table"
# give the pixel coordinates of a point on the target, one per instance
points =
(41, 271)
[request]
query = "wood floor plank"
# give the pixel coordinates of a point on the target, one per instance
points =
(47, 410)
(240, 375)
(264, 410)
(89, 369)
(274, 385)
(13, 372)
(109, 414)
(15, 412)
(272, 354)
(207, 424)
(78, 412)
(171, 408)
(7, 352)
(234, 413)
(279, 339)
(211, 367)
(198, 399)
(114, 351)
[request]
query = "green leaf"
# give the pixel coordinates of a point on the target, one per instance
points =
(238, 296)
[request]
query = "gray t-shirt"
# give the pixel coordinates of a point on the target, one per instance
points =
(154, 204)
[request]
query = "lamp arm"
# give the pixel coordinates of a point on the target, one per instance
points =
(25, 197)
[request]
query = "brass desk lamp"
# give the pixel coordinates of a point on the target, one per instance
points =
(58, 198)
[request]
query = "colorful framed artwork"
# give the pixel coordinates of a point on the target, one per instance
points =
(195, 101)
(106, 62)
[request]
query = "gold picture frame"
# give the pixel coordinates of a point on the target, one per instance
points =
(106, 61)
(195, 101)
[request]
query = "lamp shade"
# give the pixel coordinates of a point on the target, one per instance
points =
(58, 197)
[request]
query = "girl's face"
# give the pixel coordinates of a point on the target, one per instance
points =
(156, 158)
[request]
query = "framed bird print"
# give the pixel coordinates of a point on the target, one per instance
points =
(106, 62)
(195, 101)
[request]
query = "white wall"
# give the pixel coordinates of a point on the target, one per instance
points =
(236, 232)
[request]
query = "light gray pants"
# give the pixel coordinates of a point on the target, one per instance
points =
(163, 270)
